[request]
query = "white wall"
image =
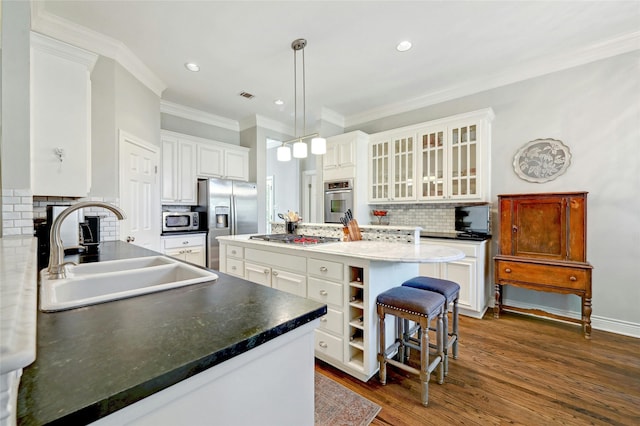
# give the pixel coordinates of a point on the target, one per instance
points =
(595, 110)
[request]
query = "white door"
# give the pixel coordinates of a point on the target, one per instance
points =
(139, 192)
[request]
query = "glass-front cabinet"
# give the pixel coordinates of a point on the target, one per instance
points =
(444, 160)
(392, 172)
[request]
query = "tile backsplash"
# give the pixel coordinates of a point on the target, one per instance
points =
(431, 217)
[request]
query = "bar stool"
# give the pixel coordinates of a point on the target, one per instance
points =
(451, 291)
(420, 306)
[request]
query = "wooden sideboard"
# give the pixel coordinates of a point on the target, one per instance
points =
(542, 247)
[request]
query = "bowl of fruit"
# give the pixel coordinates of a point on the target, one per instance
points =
(380, 214)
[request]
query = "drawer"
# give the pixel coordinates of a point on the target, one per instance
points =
(332, 322)
(328, 345)
(235, 267)
(276, 260)
(469, 249)
(567, 277)
(325, 292)
(289, 282)
(326, 269)
(183, 241)
(235, 251)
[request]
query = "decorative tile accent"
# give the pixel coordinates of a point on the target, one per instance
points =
(431, 217)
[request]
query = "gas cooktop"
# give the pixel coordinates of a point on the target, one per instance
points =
(294, 239)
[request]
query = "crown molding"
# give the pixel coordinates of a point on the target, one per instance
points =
(332, 117)
(602, 50)
(265, 123)
(77, 35)
(63, 50)
(189, 113)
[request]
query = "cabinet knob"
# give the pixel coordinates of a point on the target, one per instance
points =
(275, 273)
(572, 278)
(323, 345)
(185, 242)
(514, 228)
(507, 270)
(233, 252)
(233, 268)
(130, 239)
(266, 271)
(323, 319)
(323, 269)
(323, 292)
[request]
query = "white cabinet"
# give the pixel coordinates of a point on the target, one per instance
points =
(453, 159)
(220, 160)
(283, 272)
(60, 118)
(188, 247)
(471, 273)
(443, 160)
(392, 167)
(179, 182)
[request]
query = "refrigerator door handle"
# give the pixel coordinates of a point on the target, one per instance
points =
(233, 215)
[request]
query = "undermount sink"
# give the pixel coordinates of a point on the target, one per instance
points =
(92, 283)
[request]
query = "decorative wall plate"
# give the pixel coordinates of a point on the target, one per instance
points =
(541, 160)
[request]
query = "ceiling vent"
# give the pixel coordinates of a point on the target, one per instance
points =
(247, 95)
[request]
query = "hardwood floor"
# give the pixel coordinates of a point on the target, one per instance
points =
(517, 370)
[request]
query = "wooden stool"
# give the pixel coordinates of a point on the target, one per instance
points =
(451, 291)
(419, 306)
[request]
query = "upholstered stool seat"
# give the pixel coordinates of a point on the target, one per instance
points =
(421, 307)
(451, 291)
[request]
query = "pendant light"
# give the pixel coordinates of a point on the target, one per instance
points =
(300, 149)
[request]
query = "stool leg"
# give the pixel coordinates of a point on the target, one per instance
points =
(425, 374)
(440, 344)
(400, 335)
(445, 331)
(381, 357)
(455, 328)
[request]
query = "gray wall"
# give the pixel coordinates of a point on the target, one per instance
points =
(595, 110)
(201, 130)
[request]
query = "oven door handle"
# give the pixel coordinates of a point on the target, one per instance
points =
(342, 191)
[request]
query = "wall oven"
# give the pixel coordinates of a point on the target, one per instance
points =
(338, 198)
(180, 221)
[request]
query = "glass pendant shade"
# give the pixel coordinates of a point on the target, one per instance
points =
(300, 150)
(318, 146)
(283, 153)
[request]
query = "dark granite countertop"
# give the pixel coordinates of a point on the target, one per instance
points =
(95, 360)
(453, 235)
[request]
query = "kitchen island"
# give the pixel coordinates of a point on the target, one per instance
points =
(347, 276)
(220, 352)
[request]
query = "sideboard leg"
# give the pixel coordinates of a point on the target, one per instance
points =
(586, 317)
(496, 308)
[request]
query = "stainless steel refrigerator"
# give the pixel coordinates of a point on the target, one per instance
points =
(231, 208)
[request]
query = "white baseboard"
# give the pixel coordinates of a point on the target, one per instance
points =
(617, 326)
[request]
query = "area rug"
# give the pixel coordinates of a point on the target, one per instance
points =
(336, 405)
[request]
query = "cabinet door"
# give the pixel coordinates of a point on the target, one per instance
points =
(431, 164)
(463, 272)
(210, 161)
(346, 155)
(379, 164)
(403, 168)
(196, 255)
(289, 282)
(463, 163)
(169, 169)
(187, 181)
(236, 165)
(331, 159)
(258, 274)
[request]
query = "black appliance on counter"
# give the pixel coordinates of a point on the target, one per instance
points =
(474, 220)
(90, 230)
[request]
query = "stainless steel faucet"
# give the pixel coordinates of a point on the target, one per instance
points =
(56, 256)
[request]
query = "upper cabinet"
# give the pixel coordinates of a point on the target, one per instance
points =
(186, 158)
(341, 159)
(60, 118)
(445, 160)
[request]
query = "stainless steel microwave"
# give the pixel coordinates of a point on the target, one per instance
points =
(180, 221)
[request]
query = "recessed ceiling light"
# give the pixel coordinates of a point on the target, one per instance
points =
(192, 66)
(403, 46)
(278, 102)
